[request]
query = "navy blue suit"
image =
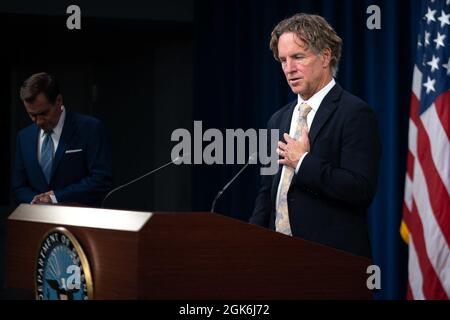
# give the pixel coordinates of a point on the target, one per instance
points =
(329, 196)
(82, 177)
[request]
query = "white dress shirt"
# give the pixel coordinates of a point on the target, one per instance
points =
(314, 102)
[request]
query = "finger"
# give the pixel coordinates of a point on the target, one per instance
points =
(287, 137)
(282, 145)
(281, 153)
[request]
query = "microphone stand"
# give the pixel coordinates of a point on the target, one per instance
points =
(251, 158)
(139, 178)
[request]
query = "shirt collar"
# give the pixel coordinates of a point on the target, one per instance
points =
(59, 126)
(315, 101)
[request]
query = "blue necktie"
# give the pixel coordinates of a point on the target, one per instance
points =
(47, 155)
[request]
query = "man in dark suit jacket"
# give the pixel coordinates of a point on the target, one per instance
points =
(333, 161)
(63, 157)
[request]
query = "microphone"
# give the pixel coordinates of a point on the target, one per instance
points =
(250, 159)
(179, 158)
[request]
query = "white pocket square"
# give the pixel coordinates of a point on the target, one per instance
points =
(74, 150)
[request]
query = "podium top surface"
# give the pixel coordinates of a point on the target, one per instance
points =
(85, 217)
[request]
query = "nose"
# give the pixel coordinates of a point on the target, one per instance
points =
(289, 66)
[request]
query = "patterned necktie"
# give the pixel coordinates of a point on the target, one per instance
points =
(282, 215)
(47, 151)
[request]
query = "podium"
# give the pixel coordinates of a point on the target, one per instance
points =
(192, 255)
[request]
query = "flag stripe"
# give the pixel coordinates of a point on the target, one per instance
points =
(410, 164)
(428, 229)
(409, 294)
(443, 111)
(414, 274)
(412, 141)
(408, 193)
(417, 82)
(440, 146)
(427, 279)
(440, 199)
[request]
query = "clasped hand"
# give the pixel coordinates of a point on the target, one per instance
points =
(293, 150)
(43, 198)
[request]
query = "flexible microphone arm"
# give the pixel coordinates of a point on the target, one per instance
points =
(250, 159)
(141, 177)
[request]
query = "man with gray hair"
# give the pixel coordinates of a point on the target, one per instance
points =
(329, 146)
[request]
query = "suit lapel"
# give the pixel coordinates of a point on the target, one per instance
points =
(285, 125)
(69, 129)
(324, 112)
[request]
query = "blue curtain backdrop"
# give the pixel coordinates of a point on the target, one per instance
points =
(238, 84)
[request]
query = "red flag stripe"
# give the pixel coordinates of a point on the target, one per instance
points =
(440, 200)
(440, 145)
(409, 294)
(432, 287)
(414, 108)
(437, 249)
(443, 110)
(415, 273)
(410, 164)
(408, 193)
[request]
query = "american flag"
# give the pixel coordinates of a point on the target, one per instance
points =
(426, 207)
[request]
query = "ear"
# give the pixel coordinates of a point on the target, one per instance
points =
(59, 100)
(326, 57)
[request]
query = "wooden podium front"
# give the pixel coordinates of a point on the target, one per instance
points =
(143, 255)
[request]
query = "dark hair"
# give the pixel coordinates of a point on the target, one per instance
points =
(39, 83)
(315, 31)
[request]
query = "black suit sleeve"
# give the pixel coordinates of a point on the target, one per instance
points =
(263, 202)
(354, 180)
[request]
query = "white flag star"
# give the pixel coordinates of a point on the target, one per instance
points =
(447, 2)
(447, 66)
(433, 63)
(430, 15)
(439, 40)
(427, 38)
(429, 85)
(444, 18)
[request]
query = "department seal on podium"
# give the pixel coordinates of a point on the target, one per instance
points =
(62, 269)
